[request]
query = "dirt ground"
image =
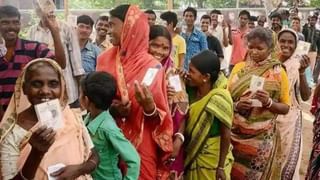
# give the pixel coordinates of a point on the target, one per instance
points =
(307, 138)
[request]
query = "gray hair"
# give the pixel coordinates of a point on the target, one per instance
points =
(263, 34)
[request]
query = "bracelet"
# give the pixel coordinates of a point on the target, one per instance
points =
(180, 135)
(220, 168)
(22, 176)
(151, 114)
(270, 102)
(235, 106)
(302, 73)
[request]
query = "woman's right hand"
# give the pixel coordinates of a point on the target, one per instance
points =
(120, 109)
(243, 105)
(171, 92)
(183, 74)
(42, 139)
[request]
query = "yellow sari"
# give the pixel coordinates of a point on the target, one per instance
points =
(203, 151)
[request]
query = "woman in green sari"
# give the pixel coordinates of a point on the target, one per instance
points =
(207, 130)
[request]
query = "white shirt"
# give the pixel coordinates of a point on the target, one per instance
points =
(218, 33)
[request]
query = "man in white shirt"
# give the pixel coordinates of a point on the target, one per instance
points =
(74, 70)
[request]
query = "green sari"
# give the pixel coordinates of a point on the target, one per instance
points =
(203, 151)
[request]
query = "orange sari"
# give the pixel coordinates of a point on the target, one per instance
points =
(151, 137)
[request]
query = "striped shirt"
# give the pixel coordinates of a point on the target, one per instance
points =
(71, 46)
(24, 52)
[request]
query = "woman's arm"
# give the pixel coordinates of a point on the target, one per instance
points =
(224, 144)
(305, 90)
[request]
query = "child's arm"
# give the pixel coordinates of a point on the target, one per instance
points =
(127, 153)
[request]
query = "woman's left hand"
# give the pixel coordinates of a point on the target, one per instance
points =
(144, 97)
(304, 63)
(68, 172)
(263, 96)
(171, 92)
(220, 174)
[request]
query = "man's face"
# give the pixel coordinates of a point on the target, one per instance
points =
(189, 18)
(214, 19)
(10, 28)
(244, 20)
(102, 28)
(261, 21)
(313, 21)
(84, 31)
(205, 23)
(151, 19)
(295, 24)
(276, 22)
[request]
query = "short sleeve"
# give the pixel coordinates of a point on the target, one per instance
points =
(284, 92)
(44, 52)
(182, 49)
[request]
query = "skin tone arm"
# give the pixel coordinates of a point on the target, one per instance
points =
(181, 60)
(226, 37)
(53, 26)
(224, 148)
(305, 90)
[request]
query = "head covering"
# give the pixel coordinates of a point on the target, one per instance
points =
(128, 63)
(289, 30)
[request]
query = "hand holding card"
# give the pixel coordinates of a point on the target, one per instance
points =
(175, 82)
(50, 114)
(54, 168)
(256, 83)
(149, 76)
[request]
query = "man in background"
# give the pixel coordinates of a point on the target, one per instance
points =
(152, 17)
(102, 27)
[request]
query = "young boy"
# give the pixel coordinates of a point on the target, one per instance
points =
(96, 95)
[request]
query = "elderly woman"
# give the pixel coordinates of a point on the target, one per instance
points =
(290, 125)
(27, 147)
(254, 134)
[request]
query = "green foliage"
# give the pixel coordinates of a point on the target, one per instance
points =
(315, 3)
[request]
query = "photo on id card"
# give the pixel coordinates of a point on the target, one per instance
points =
(50, 114)
(256, 83)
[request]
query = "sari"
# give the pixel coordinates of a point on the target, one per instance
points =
(254, 135)
(72, 142)
(290, 125)
(128, 63)
(202, 150)
(313, 172)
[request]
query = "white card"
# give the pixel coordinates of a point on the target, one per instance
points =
(50, 114)
(150, 75)
(256, 103)
(72, 20)
(302, 49)
(175, 82)
(54, 168)
(256, 83)
(46, 6)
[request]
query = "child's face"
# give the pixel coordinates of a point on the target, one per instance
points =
(83, 100)
(42, 84)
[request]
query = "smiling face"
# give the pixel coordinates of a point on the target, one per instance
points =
(287, 43)
(102, 28)
(42, 83)
(214, 19)
(196, 78)
(258, 50)
(84, 31)
(205, 23)
(159, 48)
(115, 30)
(10, 28)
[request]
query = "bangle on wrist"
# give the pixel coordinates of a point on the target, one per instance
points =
(235, 106)
(179, 135)
(151, 114)
(220, 168)
(302, 73)
(22, 176)
(93, 162)
(270, 102)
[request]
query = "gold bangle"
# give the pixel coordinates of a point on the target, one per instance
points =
(93, 162)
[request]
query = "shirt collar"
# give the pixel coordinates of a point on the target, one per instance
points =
(94, 124)
(88, 46)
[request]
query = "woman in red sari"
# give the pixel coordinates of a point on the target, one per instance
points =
(141, 112)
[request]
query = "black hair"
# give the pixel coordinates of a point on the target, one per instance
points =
(120, 12)
(100, 88)
(275, 15)
(9, 11)
(150, 11)
(215, 11)
(85, 19)
(263, 34)
(170, 17)
(207, 62)
(253, 18)
(192, 10)
(102, 18)
(158, 30)
(244, 12)
(206, 17)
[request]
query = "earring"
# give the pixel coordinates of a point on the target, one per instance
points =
(204, 80)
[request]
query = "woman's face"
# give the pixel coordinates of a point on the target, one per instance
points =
(115, 30)
(258, 50)
(42, 84)
(159, 48)
(287, 43)
(196, 78)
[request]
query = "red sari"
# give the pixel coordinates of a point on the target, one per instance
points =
(151, 137)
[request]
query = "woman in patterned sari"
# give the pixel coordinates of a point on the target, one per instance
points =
(160, 47)
(254, 136)
(28, 148)
(142, 112)
(207, 130)
(290, 125)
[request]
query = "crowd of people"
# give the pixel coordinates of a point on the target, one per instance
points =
(148, 100)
